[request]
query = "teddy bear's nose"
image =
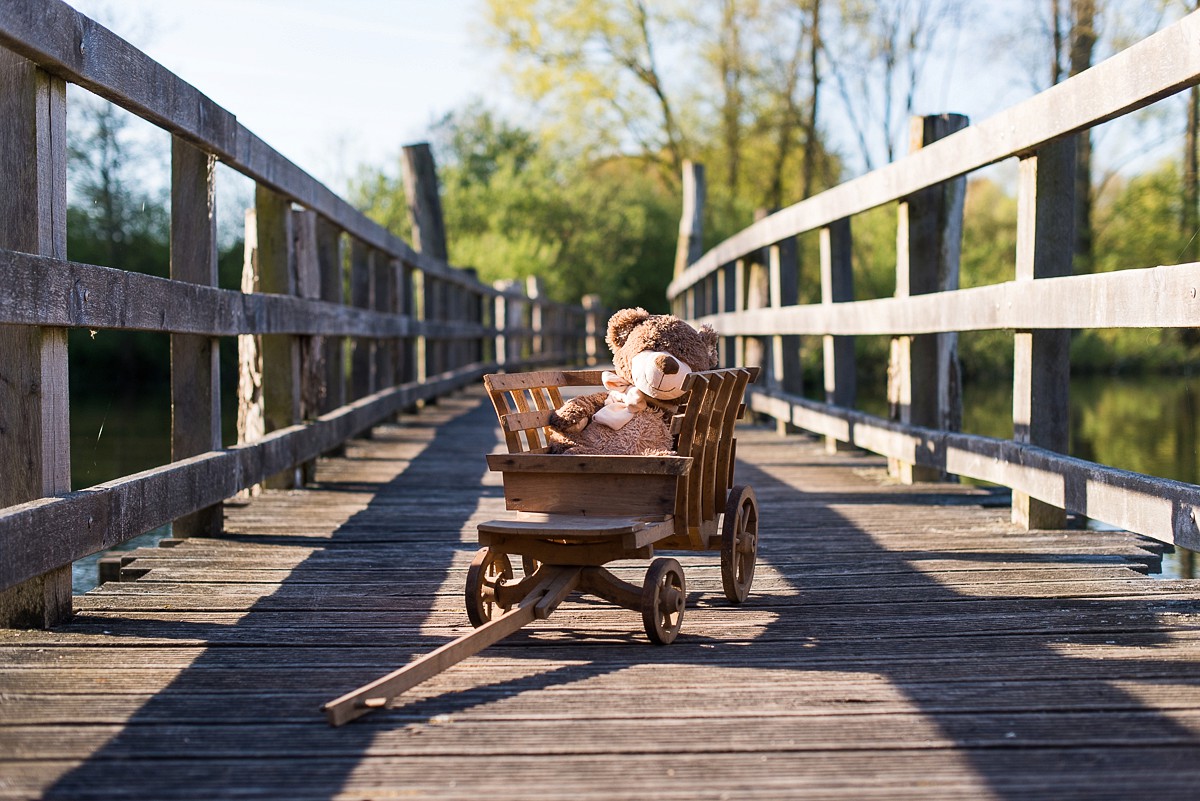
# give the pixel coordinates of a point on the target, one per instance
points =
(666, 364)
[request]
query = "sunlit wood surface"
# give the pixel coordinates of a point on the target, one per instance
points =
(899, 642)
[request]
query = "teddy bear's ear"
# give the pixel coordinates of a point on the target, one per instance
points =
(709, 336)
(621, 324)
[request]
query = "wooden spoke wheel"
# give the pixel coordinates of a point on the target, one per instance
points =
(663, 595)
(739, 543)
(489, 569)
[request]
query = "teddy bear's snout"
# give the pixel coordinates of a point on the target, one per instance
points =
(666, 364)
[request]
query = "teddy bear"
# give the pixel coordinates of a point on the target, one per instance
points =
(652, 354)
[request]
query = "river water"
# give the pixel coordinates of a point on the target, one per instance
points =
(1146, 424)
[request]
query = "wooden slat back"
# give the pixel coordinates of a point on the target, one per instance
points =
(523, 402)
(704, 431)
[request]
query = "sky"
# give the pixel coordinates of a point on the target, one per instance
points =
(329, 85)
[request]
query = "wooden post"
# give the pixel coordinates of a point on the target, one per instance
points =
(504, 322)
(535, 291)
(307, 279)
(594, 330)
(384, 301)
(34, 409)
(1041, 371)
(756, 350)
(329, 263)
(690, 246)
(787, 370)
(424, 201)
(280, 352)
(925, 386)
(362, 296)
(407, 300)
(837, 286)
(251, 425)
(195, 367)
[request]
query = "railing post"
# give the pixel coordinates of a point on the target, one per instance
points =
(594, 330)
(34, 407)
(924, 385)
(690, 245)
(787, 370)
(837, 286)
(195, 367)
(280, 352)
(329, 262)
(502, 318)
(756, 350)
(385, 302)
(250, 423)
(307, 278)
(535, 291)
(1041, 370)
(424, 201)
(362, 296)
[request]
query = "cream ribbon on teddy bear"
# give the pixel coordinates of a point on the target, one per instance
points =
(623, 402)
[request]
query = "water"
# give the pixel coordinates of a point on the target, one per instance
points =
(1146, 424)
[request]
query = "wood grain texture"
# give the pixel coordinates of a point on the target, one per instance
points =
(1150, 70)
(901, 642)
(34, 407)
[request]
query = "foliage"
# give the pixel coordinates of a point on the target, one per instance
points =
(513, 210)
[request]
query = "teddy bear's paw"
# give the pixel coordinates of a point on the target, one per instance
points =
(568, 424)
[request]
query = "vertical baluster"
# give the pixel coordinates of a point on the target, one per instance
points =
(1041, 372)
(787, 371)
(34, 408)
(280, 352)
(195, 367)
(362, 296)
(925, 385)
(330, 265)
(837, 286)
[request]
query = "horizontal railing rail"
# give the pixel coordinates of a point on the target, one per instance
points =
(322, 272)
(746, 287)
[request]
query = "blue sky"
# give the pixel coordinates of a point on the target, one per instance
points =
(328, 85)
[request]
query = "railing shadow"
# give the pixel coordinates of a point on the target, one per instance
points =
(1000, 684)
(234, 719)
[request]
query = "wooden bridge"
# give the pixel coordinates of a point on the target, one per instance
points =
(907, 637)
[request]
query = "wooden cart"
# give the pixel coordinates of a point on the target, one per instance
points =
(575, 514)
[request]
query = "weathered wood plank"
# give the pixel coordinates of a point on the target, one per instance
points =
(1150, 70)
(35, 448)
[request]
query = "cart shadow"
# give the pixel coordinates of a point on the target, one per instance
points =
(947, 655)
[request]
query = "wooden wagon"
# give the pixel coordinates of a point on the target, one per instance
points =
(575, 514)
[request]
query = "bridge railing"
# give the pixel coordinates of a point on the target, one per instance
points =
(418, 327)
(746, 287)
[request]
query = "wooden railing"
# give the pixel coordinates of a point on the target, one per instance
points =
(746, 287)
(419, 328)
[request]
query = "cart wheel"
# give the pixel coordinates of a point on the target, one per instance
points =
(488, 570)
(663, 596)
(739, 543)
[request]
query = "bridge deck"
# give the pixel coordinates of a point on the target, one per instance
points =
(902, 642)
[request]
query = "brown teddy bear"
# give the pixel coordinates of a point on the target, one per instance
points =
(652, 354)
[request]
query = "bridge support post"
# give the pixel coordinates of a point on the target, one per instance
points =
(1041, 369)
(195, 366)
(837, 286)
(924, 382)
(787, 369)
(34, 409)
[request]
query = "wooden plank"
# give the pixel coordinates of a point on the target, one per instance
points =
(589, 465)
(1041, 360)
(1163, 299)
(837, 287)
(1163, 509)
(588, 494)
(1150, 70)
(195, 364)
(108, 514)
(34, 405)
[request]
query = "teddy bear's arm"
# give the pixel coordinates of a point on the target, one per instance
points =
(574, 415)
